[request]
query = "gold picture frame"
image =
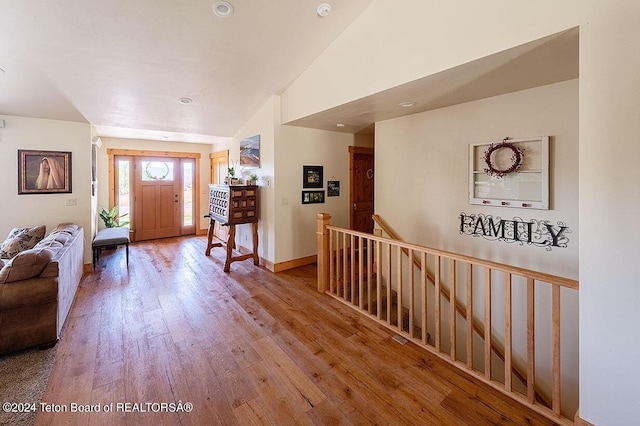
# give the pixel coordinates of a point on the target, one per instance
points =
(44, 172)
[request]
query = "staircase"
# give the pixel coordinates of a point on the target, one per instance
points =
(396, 283)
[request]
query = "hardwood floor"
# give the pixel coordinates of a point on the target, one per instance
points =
(245, 347)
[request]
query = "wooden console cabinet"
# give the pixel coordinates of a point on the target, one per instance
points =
(232, 205)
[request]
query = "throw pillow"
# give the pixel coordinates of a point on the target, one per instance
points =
(21, 239)
(26, 264)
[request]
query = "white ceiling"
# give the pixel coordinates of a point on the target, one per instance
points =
(544, 61)
(123, 65)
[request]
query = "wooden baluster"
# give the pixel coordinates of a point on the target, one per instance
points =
(507, 331)
(400, 285)
(423, 287)
(555, 394)
(369, 275)
(487, 323)
(469, 316)
(352, 269)
(437, 302)
(531, 347)
(332, 260)
(345, 265)
(360, 273)
(338, 250)
(452, 308)
(411, 295)
(389, 283)
(379, 279)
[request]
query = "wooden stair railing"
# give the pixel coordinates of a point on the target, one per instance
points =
(345, 274)
(462, 310)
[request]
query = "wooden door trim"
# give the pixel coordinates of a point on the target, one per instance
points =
(222, 158)
(352, 151)
(215, 157)
(112, 152)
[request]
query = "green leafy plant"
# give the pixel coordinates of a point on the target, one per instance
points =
(232, 169)
(111, 218)
(253, 177)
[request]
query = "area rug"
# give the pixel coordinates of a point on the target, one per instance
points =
(23, 379)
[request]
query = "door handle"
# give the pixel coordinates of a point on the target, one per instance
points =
(355, 206)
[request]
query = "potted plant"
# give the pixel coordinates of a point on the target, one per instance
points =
(231, 172)
(111, 218)
(253, 178)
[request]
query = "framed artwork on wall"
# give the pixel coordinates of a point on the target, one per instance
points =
(250, 152)
(44, 172)
(312, 197)
(511, 173)
(333, 188)
(312, 177)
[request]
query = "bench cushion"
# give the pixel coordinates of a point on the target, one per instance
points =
(111, 236)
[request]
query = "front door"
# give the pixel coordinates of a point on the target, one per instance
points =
(157, 199)
(361, 188)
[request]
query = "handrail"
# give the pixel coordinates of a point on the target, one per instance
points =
(462, 310)
(345, 274)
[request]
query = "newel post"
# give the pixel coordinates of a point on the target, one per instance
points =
(323, 250)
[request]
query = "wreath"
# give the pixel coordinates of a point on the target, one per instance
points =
(516, 159)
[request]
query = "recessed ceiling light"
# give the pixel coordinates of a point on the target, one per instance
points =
(407, 104)
(185, 101)
(222, 9)
(340, 125)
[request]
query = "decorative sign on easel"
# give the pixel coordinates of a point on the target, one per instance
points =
(539, 233)
(511, 173)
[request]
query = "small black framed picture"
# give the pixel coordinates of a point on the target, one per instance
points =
(333, 188)
(312, 177)
(312, 197)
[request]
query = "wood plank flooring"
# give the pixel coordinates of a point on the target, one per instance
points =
(247, 347)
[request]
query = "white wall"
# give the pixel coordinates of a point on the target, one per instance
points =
(296, 222)
(287, 228)
(422, 165)
(262, 123)
(609, 209)
(48, 209)
(148, 145)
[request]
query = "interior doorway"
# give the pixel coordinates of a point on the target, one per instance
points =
(361, 185)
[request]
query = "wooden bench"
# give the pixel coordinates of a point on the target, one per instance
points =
(109, 237)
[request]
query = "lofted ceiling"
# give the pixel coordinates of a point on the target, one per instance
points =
(544, 61)
(123, 66)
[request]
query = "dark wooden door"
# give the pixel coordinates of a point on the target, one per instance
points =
(361, 172)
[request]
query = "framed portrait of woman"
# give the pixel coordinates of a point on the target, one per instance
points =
(44, 172)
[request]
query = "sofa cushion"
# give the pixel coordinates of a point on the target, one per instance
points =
(68, 228)
(21, 239)
(59, 237)
(26, 264)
